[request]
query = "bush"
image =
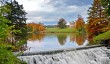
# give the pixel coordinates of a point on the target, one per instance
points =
(7, 57)
(102, 37)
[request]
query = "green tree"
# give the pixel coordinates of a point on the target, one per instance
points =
(6, 55)
(106, 5)
(4, 28)
(62, 23)
(17, 16)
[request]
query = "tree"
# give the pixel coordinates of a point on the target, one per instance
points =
(106, 5)
(62, 23)
(4, 28)
(97, 20)
(16, 16)
(79, 24)
(35, 27)
(104, 38)
(6, 55)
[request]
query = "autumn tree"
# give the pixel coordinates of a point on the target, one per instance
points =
(104, 38)
(97, 20)
(79, 24)
(35, 27)
(62, 23)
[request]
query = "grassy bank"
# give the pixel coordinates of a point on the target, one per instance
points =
(58, 30)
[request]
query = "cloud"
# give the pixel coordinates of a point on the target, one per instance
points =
(53, 10)
(69, 13)
(63, 3)
(35, 5)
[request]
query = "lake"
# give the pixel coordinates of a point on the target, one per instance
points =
(51, 41)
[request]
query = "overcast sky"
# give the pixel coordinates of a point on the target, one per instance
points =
(50, 11)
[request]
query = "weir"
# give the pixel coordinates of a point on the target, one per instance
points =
(97, 54)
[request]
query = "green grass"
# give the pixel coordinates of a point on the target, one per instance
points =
(58, 30)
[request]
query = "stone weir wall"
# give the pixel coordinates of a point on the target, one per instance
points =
(56, 50)
(97, 54)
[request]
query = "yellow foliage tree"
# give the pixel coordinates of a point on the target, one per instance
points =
(79, 24)
(97, 20)
(36, 27)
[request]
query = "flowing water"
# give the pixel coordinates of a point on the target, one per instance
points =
(98, 55)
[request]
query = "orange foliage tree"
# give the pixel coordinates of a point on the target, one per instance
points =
(97, 20)
(79, 24)
(35, 27)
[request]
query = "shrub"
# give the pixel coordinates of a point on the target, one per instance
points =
(7, 57)
(102, 37)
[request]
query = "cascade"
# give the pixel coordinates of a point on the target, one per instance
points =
(97, 55)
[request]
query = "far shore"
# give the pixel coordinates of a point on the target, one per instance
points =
(58, 30)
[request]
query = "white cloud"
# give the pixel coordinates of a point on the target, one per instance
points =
(40, 19)
(57, 14)
(78, 9)
(36, 5)
(29, 21)
(41, 10)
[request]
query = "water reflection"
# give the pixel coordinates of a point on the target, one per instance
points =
(35, 36)
(61, 38)
(79, 38)
(43, 41)
(18, 43)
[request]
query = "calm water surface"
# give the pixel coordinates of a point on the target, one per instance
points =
(51, 41)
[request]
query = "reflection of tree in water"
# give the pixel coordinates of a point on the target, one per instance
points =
(22, 43)
(35, 36)
(91, 42)
(18, 43)
(62, 38)
(72, 37)
(78, 38)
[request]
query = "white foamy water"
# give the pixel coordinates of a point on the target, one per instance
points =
(99, 55)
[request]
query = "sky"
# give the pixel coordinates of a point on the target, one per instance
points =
(50, 11)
